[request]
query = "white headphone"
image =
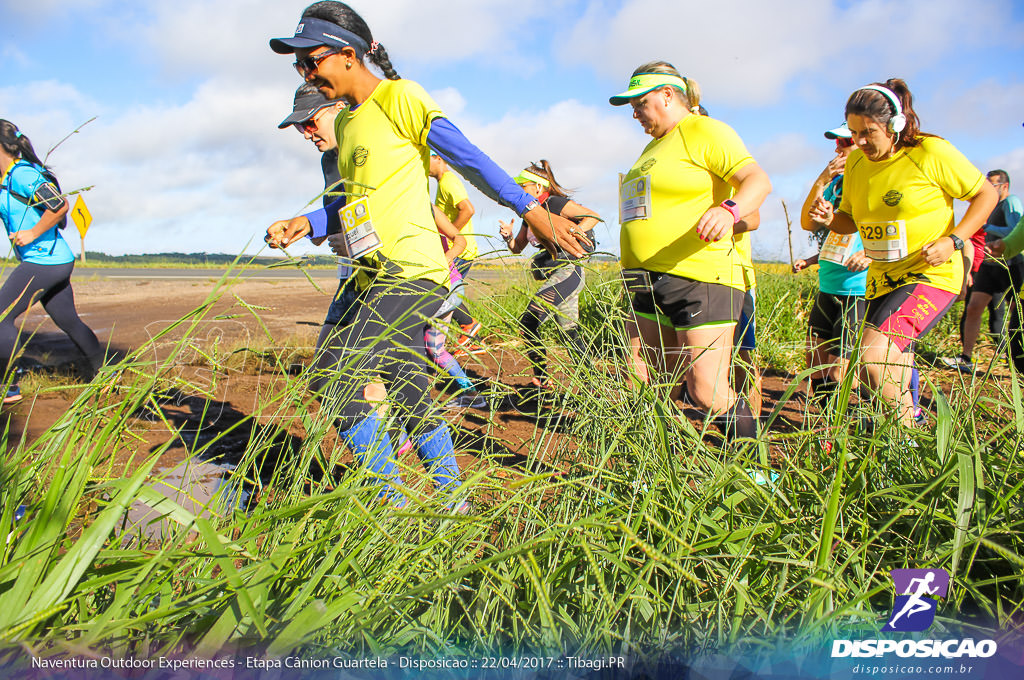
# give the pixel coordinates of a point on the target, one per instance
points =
(898, 121)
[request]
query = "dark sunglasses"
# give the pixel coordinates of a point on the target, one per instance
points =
(844, 142)
(310, 125)
(310, 64)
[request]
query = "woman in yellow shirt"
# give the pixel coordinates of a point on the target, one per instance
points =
(898, 193)
(678, 207)
(384, 224)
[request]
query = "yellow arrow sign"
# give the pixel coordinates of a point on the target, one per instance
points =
(81, 215)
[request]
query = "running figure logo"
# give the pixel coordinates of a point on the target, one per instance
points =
(917, 595)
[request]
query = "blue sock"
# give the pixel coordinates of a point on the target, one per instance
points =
(915, 387)
(436, 450)
(371, 446)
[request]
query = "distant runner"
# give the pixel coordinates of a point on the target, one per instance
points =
(563, 276)
(838, 311)
(31, 207)
(454, 203)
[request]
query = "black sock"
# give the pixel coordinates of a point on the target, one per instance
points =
(822, 390)
(738, 421)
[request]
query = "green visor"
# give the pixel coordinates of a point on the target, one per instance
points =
(527, 176)
(643, 83)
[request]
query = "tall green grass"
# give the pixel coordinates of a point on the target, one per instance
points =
(626, 529)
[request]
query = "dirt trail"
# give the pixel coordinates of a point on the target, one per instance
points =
(127, 314)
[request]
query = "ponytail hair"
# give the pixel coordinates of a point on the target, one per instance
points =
(543, 169)
(692, 94)
(340, 14)
(16, 144)
(876, 106)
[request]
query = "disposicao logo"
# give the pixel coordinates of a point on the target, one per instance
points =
(918, 592)
(917, 596)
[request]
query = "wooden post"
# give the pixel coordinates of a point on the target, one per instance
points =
(789, 236)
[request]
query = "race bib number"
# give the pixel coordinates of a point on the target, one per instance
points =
(838, 248)
(361, 238)
(886, 242)
(635, 199)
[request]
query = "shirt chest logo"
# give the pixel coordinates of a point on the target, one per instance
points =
(359, 156)
(648, 164)
(892, 198)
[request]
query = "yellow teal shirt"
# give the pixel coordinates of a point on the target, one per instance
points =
(451, 192)
(382, 154)
(912, 190)
(680, 177)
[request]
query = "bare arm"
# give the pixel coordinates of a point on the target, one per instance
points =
(517, 243)
(752, 187)
(981, 205)
(748, 224)
(588, 219)
(47, 220)
(448, 230)
(466, 211)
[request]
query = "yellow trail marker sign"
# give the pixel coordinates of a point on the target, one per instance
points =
(81, 215)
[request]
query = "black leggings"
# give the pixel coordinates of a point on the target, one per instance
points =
(540, 308)
(51, 285)
(384, 340)
(460, 315)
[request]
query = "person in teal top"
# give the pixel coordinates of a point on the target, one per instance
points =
(31, 207)
(838, 310)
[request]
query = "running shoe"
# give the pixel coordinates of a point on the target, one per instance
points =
(13, 395)
(468, 401)
(469, 331)
(958, 363)
(469, 348)
(404, 448)
(463, 508)
(920, 417)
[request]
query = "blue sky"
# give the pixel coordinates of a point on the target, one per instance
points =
(185, 155)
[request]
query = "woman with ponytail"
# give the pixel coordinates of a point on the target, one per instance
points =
(681, 206)
(31, 207)
(384, 224)
(563, 276)
(898, 191)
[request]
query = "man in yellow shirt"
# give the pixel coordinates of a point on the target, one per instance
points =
(454, 202)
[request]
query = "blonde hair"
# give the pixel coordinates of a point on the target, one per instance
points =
(692, 94)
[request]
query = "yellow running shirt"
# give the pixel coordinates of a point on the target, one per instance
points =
(450, 193)
(745, 260)
(382, 154)
(902, 204)
(674, 182)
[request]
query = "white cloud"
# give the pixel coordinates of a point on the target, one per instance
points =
(1013, 163)
(450, 100)
(207, 175)
(747, 52)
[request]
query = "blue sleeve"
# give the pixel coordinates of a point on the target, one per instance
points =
(473, 164)
(324, 221)
(1013, 209)
(1012, 212)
